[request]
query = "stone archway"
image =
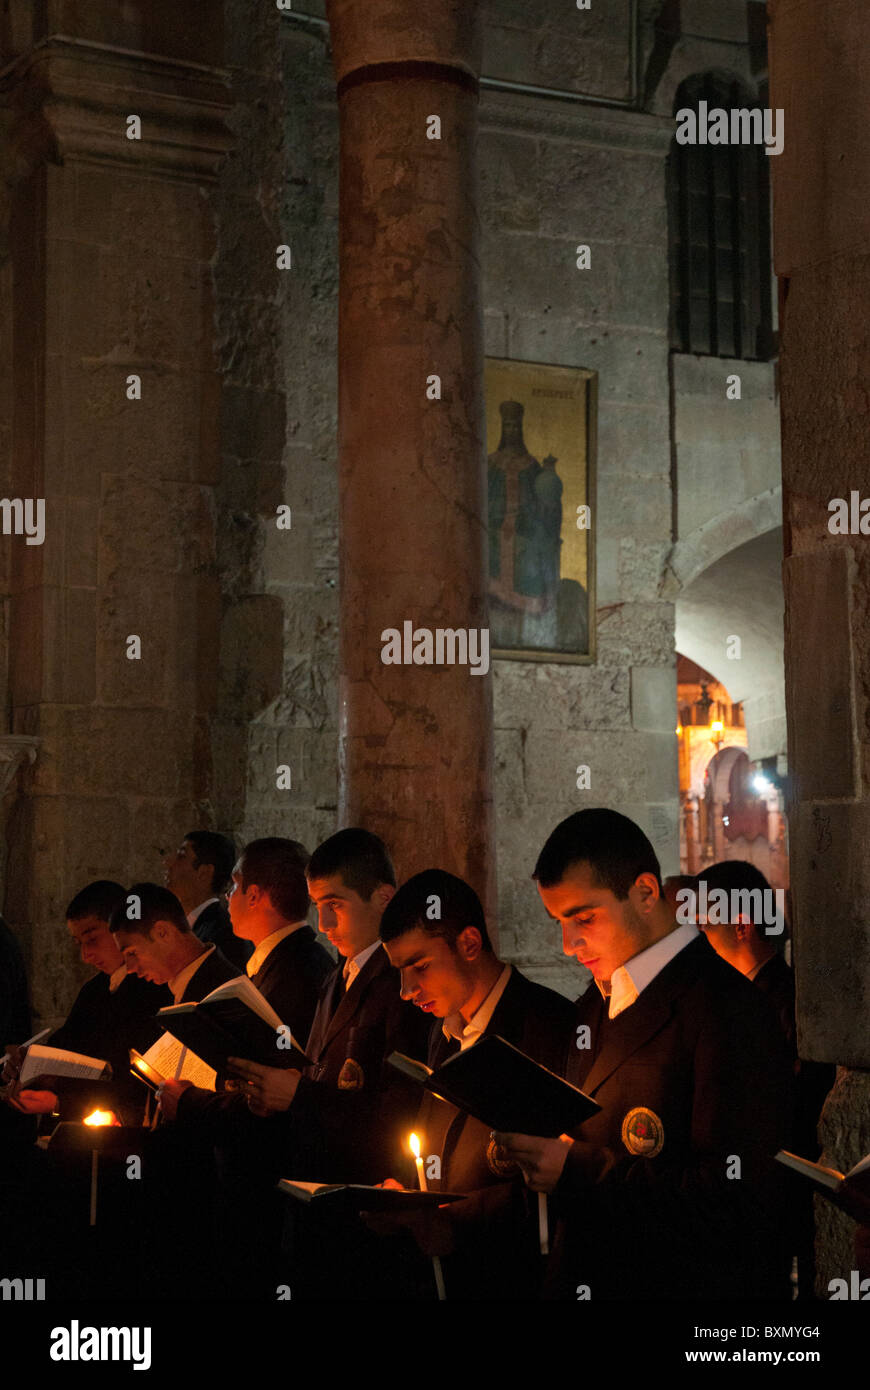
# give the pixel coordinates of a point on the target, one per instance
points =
(729, 621)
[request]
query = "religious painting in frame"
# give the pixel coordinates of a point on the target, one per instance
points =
(540, 445)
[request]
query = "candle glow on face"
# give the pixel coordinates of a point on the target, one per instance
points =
(101, 1117)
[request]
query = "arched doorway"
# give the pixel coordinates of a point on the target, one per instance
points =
(730, 807)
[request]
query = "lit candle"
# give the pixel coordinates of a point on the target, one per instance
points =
(543, 1224)
(95, 1167)
(96, 1119)
(101, 1117)
(414, 1144)
(415, 1150)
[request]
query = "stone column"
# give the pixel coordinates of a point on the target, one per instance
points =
(821, 186)
(415, 740)
(110, 242)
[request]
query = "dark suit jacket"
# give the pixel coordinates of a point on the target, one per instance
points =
(291, 978)
(215, 970)
(17, 1131)
(496, 1228)
(813, 1080)
(106, 1025)
(334, 1134)
(354, 1132)
(14, 1007)
(700, 1061)
(213, 925)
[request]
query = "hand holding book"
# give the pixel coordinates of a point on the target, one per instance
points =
(268, 1089)
(33, 1102)
(168, 1093)
(540, 1160)
(848, 1191)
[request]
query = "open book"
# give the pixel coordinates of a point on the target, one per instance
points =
(161, 1063)
(834, 1185)
(233, 1021)
(504, 1089)
(56, 1061)
(357, 1197)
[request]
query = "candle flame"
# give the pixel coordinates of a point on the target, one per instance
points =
(100, 1117)
(415, 1145)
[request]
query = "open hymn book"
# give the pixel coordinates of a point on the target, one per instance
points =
(357, 1197)
(56, 1061)
(503, 1088)
(161, 1063)
(234, 1021)
(834, 1185)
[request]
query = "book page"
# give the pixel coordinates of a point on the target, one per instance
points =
(164, 1056)
(54, 1061)
(861, 1167)
(828, 1177)
(290, 1184)
(243, 989)
(418, 1070)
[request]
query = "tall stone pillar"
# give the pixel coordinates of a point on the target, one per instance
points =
(821, 185)
(112, 135)
(415, 740)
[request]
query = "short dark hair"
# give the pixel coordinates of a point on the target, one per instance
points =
(217, 850)
(97, 899)
(616, 849)
(736, 875)
(458, 907)
(277, 867)
(360, 857)
(156, 904)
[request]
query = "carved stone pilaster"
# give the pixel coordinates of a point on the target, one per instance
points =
(70, 99)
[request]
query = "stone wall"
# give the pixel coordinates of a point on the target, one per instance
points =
(553, 174)
(553, 177)
(822, 248)
(242, 617)
(109, 241)
(276, 333)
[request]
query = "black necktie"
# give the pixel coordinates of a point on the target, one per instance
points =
(338, 993)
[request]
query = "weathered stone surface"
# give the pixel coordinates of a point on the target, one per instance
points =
(727, 450)
(581, 51)
(625, 285)
(634, 441)
(510, 792)
(654, 698)
(832, 948)
(631, 367)
(507, 201)
(635, 767)
(821, 186)
(527, 694)
(646, 500)
(845, 1135)
(629, 202)
(636, 633)
(251, 633)
(822, 733)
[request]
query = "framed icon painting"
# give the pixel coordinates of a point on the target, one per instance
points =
(540, 444)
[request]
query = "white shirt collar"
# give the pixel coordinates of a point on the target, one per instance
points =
(631, 979)
(192, 916)
(178, 984)
(353, 966)
(454, 1025)
(116, 978)
(268, 944)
